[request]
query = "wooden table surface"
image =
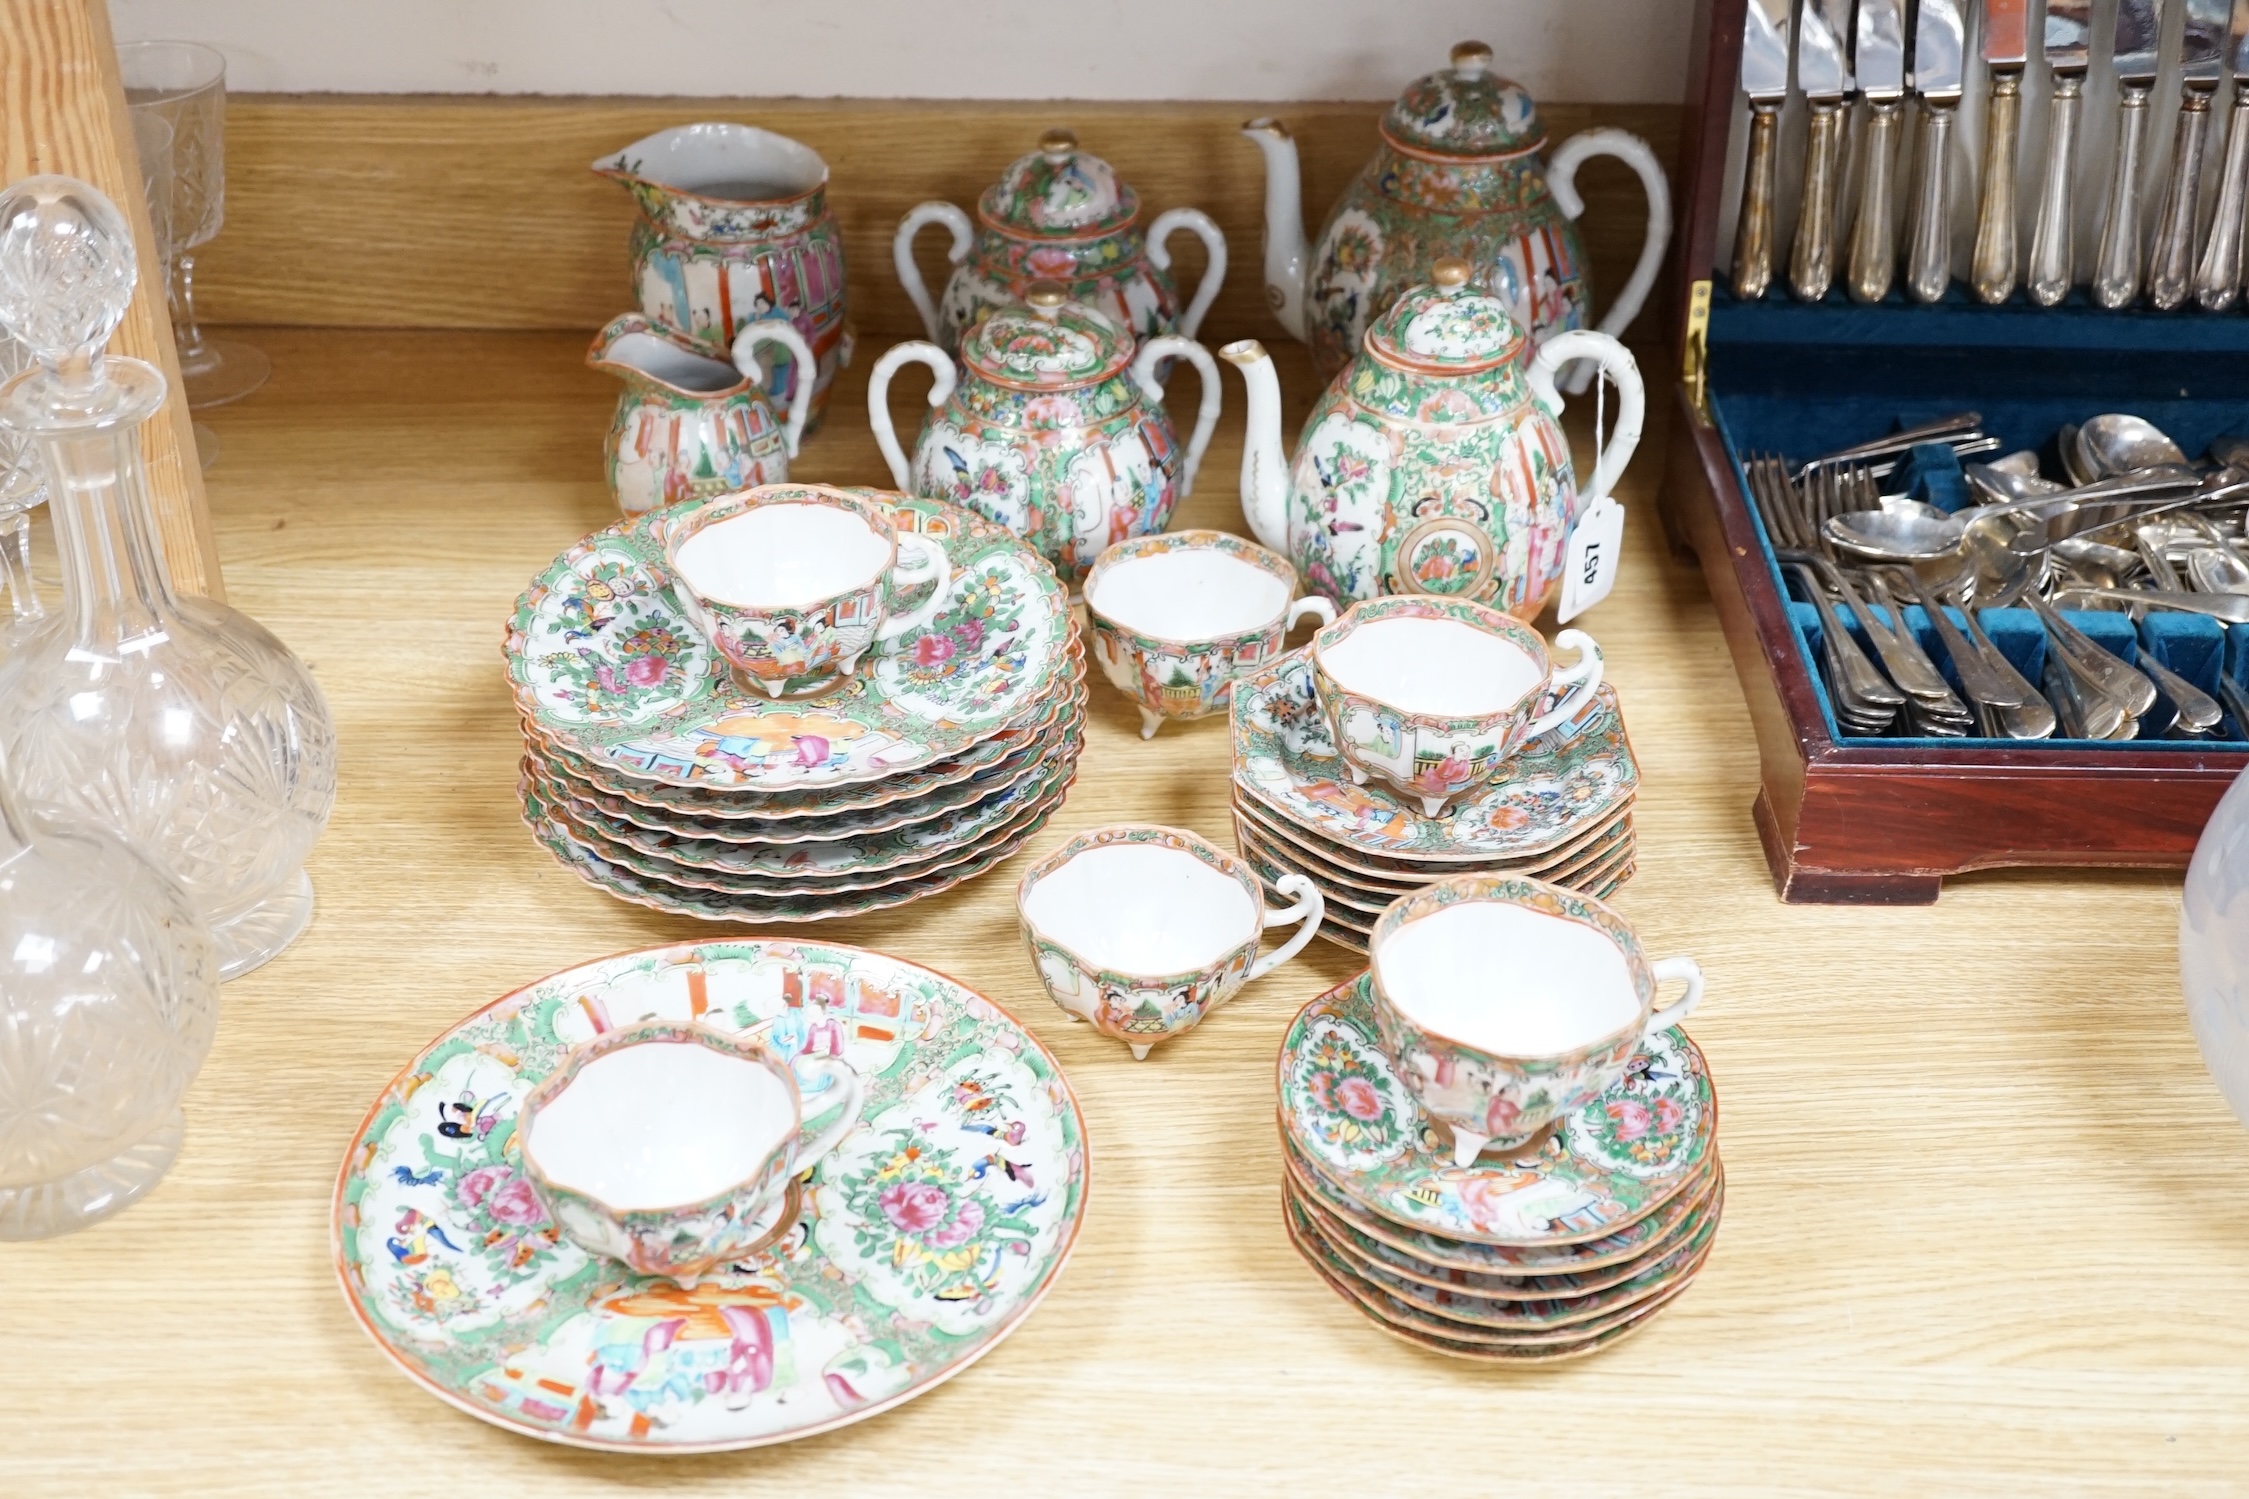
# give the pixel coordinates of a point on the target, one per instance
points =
(1987, 1220)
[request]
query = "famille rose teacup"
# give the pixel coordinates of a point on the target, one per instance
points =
(1177, 618)
(1145, 930)
(793, 583)
(1434, 696)
(671, 1146)
(1509, 1004)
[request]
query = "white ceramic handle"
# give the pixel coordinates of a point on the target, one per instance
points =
(1170, 222)
(878, 400)
(1686, 971)
(1307, 913)
(902, 253)
(1615, 361)
(1313, 605)
(776, 331)
(1578, 684)
(1561, 178)
(1153, 353)
(846, 1078)
(934, 564)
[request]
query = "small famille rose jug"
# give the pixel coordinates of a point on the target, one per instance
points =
(1059, 214)
(734, 229)
(1053, 426)
(689, 426)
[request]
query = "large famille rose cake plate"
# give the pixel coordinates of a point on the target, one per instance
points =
(930, 1232)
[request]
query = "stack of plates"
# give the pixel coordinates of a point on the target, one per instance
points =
(1562, 812)
(656, 776)
(1557, 1254)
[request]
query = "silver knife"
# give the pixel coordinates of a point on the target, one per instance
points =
(2170, 259)
(1938, 42)
(1878, 60)
(2116, 267)
(1825, 78)
(2006, 52)
(2069, 49)
(1764, 77)
(2217, 280)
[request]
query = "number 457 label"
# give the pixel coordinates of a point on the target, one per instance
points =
(1589, 564)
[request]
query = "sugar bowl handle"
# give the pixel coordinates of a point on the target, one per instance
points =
(1310, 908)
(1170, 222)
(1578, 683)
(1154, 352)
(902, 254)
(1617, 363)
(1667, 970)
(807, 369)
(878, 400)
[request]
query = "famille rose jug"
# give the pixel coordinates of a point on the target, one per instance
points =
(1458, 172)
(1053, 426)
(1059, 214)
(1435, 462)
(689, 426)
(734, 228)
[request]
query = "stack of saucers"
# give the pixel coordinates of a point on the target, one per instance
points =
(653, 773)
(1555, 1254)
(1561, 812)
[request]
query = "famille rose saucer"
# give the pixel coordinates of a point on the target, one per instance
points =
(1334, 927)
(1558, 787)
(929, 1234)
(1274, 859)
(1398, 876)
(1617, 1160)
(606, 666)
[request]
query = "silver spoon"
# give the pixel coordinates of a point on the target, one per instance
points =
(2118, 443)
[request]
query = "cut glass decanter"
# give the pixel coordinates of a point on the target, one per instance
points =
(174, 721)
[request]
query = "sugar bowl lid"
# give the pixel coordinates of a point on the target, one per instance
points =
(1465, 110)
(1048, 343)
(1059, 191)
(1448, 326)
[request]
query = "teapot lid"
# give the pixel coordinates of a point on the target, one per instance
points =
(1448, 326)
(1048, 343)
(1465, 110)
(1060, 191)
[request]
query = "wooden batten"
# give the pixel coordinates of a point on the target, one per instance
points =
(62, 109)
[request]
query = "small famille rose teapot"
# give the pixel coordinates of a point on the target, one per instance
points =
(1059, 214)
(1457, 173)
(1435, 463)
(1054, 427)
(689, 426)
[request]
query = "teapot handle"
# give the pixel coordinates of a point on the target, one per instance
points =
(1561, 178)
(779, 331)
(1170, 222)
(902, 254)
(1160, 348)
(878, 399)
(1615, 361)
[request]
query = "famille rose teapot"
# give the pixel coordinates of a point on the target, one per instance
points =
(1059, 214)
(1053, 426)
(689, 426)
(1457, 173)
(1435, 462)
(734, 228)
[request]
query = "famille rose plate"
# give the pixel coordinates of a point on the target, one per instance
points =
(1610, 871)
(1558, 786)
(606, 665)
(928, 1235)
(1397, 876)
(1273, 859)
(1620, 1158)
(1335, 927)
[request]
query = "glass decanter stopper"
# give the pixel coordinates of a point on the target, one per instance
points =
(176, 722)
(109, 994)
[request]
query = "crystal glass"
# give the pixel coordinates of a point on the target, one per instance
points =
(177, 722)
(185, 82)
(152, 139)
(109, 994)
(2214, 945)
(23, 488)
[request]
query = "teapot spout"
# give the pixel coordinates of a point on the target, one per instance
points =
(1284, 224)
(1265, 481)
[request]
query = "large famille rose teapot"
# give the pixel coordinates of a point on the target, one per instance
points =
(1435, 463)
(1458, 173)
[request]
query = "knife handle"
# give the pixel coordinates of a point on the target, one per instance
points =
(1811, 261)
(2052, 239)
(1928, 244)
(1753, 237)
(1874, 239)
(2170, 260)
(2116, 268)
(1991, 271)
(2217, 281)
